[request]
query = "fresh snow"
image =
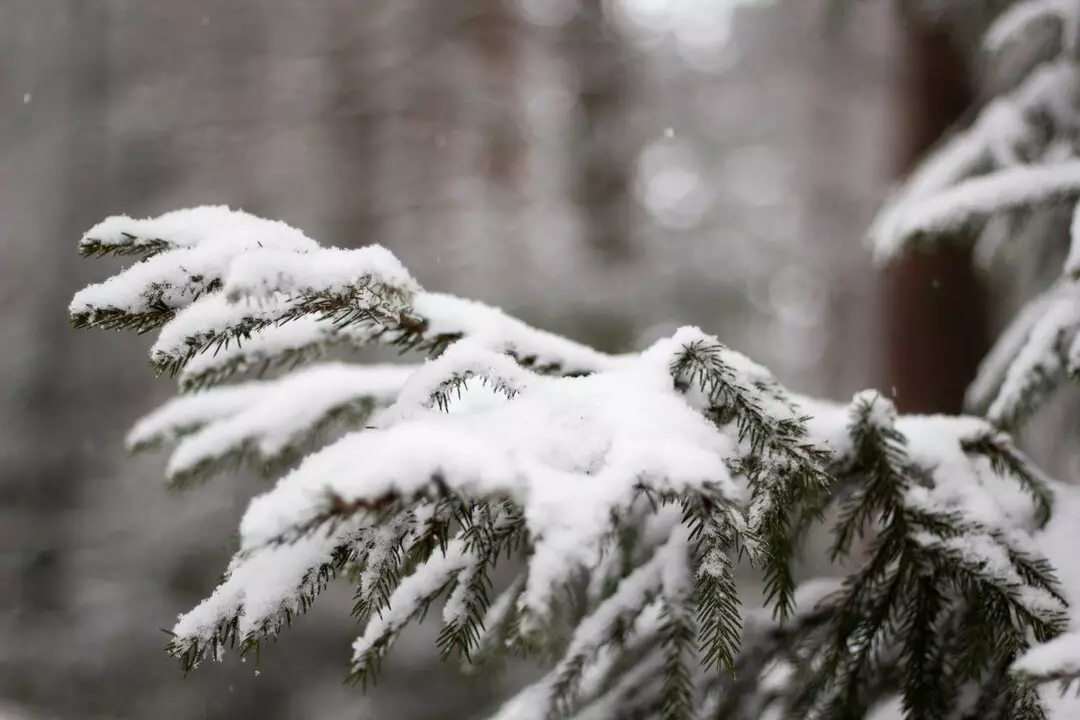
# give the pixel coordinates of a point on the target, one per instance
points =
(209, 224)
(409, 596)
(327, 270)
(1058, 658)
(492, 328)
(630, 598)
(1061, 656)
(307, 335)
(428, 386)
(977, 198)
(210, 320)
(961, 483)
(259, 587)
(569, 450)
(995, 365)
(187, 413)
(940, 196)
(285, 410)
(1018, 17)
(205, 241)
(983, 554)
(1043, 355)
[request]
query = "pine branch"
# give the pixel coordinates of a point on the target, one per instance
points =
(238, 617)
(125, 246)
(619, 486)
(745, 694)
(490, 531)
(784, 470)
(410, 601)
(1007, 461)
(677, 634)
(1040, 365)
(499, 632)
(715, 530)
(602, 626)
(922, 564)
(975, 199)
(380, 563)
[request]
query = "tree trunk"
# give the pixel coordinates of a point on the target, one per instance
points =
(934, 310)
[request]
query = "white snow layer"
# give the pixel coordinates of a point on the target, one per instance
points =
(1061, 656)
(1041, 357)
(977, 198)
(286, 410)
(205, 240)
(260, 586)
(1018, 17)
(938, 196)
(330, 270)
(569, 450)
(495, 330)
(187, 413)
(194, 226)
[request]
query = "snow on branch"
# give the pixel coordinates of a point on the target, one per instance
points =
(217, 225)
(951, 188)
(184, 415)
(436, 382)
(995, 365)
(1042, 362)
(412, 598)
(445, 316)
(191, 252)
(594, 439)
(232, 292)
(946, 553)
(269, 423)
(1056, 660)
(1015, 20)
(262, 592)
(1035, 354)
(219, 276)
(288, 345)
(558, 689)
(1016, 159)
(623, 484)
(972, 200)
(785, 469)
(573, 452)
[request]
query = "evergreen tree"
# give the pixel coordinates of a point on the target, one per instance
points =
(621, 488)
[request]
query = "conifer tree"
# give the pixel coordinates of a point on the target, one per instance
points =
(620, 489)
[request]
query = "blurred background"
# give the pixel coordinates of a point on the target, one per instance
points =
(608, 169)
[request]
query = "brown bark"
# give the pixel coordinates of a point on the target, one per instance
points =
(934, 309)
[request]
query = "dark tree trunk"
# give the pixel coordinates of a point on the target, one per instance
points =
(934, 310)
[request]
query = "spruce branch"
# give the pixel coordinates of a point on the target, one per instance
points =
(1007, 461)
(785, 471)
(677, 634)
(491, 530)
(125, 245)
(235, 624)
(924, 565)
(619, 488)
(410, 601)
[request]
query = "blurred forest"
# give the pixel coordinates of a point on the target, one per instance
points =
(608, 170)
